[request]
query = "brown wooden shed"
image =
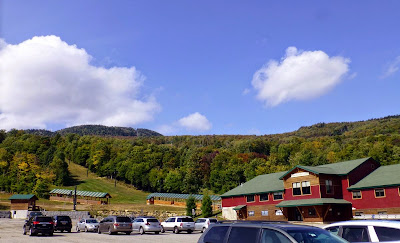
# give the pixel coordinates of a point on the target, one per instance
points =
(23, 202)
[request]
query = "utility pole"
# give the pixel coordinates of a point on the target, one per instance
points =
(75, 200)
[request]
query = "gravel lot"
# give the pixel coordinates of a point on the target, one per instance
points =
(11, 231)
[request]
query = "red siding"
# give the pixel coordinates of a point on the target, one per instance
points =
(241, 200)
(314, 194)
(368, 200)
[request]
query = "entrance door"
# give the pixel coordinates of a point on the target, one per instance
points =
(297, 215)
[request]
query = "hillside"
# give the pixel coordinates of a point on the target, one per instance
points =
(97, 130)
(188, 164)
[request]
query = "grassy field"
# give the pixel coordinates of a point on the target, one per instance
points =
(122, 193)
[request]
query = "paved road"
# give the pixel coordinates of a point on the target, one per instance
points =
(11, 231)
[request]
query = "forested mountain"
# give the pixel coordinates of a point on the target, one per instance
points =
(188, 164)
(98, 130)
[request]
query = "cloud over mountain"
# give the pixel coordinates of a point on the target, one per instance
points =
(299, 75)
(44, 80)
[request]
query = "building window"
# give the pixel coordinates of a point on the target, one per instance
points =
(356, 194)
(264, 197)
(311, 212)
(250, 198)
(379, 192)
(278, 212)
(251, 213)
(296, 188)
(264, 213)
(328, 185)
(382, 212)
(306, 187)
(278, 195)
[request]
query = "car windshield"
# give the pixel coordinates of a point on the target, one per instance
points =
(91, 221)
(152, 220)
(314, 235)
(123, 219)
(186, 220)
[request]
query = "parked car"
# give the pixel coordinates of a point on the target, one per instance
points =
(62, 222)
(261, 232)
(146, 224)
(178, 224)
(39, 224)
(87, 225)
(366, 230)
(115, 224)
(34, 213)
(203, 223)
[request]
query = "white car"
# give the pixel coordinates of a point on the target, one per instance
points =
(87, 225)
(366, 230)
(202, 224)
(178, 224)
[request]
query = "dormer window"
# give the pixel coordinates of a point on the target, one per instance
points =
(250, 198)
(306, 187)
(296, 188)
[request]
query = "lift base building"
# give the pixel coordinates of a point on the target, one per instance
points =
(331, 192)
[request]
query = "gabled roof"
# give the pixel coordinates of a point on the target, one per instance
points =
(383, 176)
(182, 196)
(260, 184)
(340, 168)
(81, 193)
(311, 202)
(23, 197)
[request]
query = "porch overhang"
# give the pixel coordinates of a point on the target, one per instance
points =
(311, 202)
(239, 207)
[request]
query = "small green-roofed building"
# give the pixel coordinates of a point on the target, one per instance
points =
(260, 184)
(384, 176)
(23, 202)
(83, 197)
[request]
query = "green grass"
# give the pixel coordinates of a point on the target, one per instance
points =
(122, 193)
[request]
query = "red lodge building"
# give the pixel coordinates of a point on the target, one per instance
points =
(322, 193)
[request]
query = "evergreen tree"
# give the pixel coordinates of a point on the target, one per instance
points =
(206, 206)
(190, 204)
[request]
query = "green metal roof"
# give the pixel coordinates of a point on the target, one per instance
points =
(384, 176)
(80, 193)
(340, 168)
(311, 202)
(22, 196)
(182, 196)
(260, 184)
(239, 207)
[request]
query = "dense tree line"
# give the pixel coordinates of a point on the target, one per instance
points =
(189, 164)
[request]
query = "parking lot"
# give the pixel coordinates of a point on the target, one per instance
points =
(11, 231)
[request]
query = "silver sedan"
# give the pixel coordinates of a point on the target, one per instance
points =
(87, 225)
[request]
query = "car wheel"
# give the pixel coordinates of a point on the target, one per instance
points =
(51, 234)
(32, 233)
(176, 231)
(69, 231)
(162, 229)
(98, 231)
(77, 229)
(85, 229)
(204, 228)
(141, 230)
(189, 231)
(128, 233)
(157, 232)
(23, 231)
(61, 231)
(109, 231)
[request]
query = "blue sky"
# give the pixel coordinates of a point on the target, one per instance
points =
(197, 67)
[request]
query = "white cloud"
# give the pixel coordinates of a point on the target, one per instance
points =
(195, 122)
(45, 80)
(393, 68)
(300, 75)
